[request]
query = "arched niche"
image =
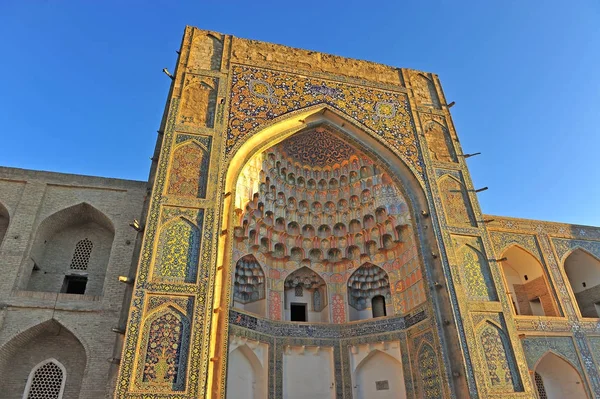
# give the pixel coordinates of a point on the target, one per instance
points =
(583, 273)
(558, 379)
(369, 293)
(35, 347)
(249, 286)
(239, 200)
(305, 296)
(165, 349)
(379, 376)
(527, 283)
(4, 222)
(246, 376)
(71, 251)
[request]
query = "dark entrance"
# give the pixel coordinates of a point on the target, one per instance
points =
(378, 306)
(74, 285)
(298, 312)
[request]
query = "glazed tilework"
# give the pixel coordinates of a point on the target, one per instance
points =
(222, 105)
(563, 247)
(178, 250)
(341, 338)
(259, 96)
(189, 168)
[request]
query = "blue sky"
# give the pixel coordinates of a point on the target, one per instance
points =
(83, 92)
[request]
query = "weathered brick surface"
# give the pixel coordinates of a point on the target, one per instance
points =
(36, 321)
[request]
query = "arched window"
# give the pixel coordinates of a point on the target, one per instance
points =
(378, 306)
(81, 256)
(528, 288)
(539, 386)
(46, 381)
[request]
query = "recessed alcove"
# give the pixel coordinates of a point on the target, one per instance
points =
(316, 212)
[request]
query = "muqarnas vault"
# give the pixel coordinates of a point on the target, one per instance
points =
(310, 230)
(314, 232)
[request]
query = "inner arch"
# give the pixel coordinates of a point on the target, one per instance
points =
(318, 200)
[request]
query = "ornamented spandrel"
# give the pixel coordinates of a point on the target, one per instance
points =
(189, 169)
(260, 95)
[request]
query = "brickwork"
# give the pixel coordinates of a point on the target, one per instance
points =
(531, 290)
(231, 100)
(49, 213)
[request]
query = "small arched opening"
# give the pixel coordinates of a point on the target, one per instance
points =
(583, 272)
(527, 284)
(557, 379)
(249, 286)
(369, 293)
(306, 297)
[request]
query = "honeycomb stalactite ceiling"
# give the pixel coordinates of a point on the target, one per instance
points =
(316, 198)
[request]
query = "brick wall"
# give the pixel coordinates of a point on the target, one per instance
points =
(536, 288)
(74, 329)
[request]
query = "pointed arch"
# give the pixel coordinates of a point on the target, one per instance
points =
(189, 168)
(164, 343)
(429, 371)
(46, 380)
(178, 251)
(55, 246)
(246, 378)
(438, 141)
(379, 375)
(559, 378)
(456, 202)
(475, 274)
(527, 283)
(502, 374)
(249, 286)
(28, 351)
(4, 222)
(583, 274)
(424, 91)
(305, 287)
(364, 284)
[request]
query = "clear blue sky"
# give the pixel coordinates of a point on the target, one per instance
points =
(83, 92)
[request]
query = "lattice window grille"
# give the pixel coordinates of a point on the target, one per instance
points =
(541, 389)
(81, 256)
(298, 291)
(46, 381)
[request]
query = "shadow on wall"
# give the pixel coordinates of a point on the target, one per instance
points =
(583, 273)
(4, 221)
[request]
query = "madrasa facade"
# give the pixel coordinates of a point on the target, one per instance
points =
(309, 230)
